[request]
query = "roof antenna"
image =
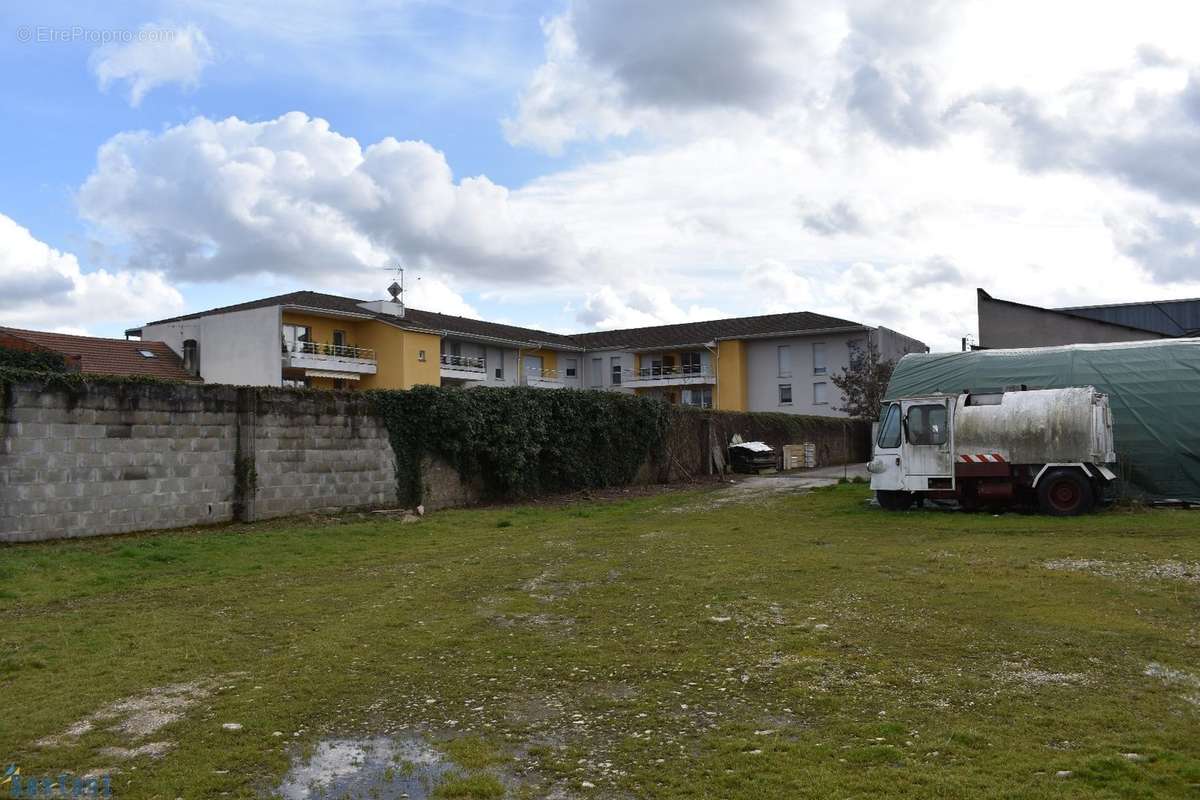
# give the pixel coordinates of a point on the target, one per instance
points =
(396, 290)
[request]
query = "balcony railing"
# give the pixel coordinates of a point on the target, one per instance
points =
(326, 356)
(668, 375)
(329, 350)
(463, 363)
(551, 378)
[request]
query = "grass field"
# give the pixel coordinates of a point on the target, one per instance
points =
(659, 647)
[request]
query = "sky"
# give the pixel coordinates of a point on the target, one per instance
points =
(578, 164)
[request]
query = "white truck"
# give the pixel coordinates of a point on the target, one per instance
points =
(1049, 447)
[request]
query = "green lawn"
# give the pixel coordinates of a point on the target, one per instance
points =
(799, 646)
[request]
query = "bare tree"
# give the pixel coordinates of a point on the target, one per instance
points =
(864, 382)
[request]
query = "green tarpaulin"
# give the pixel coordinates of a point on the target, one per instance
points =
(1153, 389)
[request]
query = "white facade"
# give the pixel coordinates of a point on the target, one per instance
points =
(241, 348)
(793, 375)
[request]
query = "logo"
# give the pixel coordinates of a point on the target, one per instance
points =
(14, 784)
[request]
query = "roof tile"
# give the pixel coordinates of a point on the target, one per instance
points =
(110, 356)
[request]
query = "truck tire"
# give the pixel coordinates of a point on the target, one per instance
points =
(893, 500)
(1065, 493)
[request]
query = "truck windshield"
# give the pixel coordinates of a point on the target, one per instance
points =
(926, 424)
(889, 429)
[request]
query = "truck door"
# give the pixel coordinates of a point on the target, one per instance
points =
(927, 450)
(886, 474)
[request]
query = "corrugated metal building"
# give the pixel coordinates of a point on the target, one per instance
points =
(1006, 324)
(1168, 317)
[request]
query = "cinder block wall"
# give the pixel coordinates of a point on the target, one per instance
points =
(320, 452)
(114, 458)
(109, 458)
(102, 458)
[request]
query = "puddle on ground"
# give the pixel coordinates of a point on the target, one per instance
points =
(381, 768)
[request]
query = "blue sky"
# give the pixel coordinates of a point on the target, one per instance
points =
(596, 163)
(420, 86)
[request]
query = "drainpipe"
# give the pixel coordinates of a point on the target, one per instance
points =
(716, 356)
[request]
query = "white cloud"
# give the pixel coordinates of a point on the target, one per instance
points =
(868, 159)
(45, 289)
(432, 294)
(213, 200)
(159, 54)
(876, 182)
(638, 306)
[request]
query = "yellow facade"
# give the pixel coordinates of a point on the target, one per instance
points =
(422, 359)
(646, 360)
(731, 392)
(323, 327)
(549, 359)
(398, 352)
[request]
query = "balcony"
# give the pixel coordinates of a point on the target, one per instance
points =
(543, 379)
(463, 368)
(327, 357)
(668, 376)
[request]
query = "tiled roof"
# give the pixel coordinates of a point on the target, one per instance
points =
(109, 356)
(688, 333)
(657, 336)
(477, 327)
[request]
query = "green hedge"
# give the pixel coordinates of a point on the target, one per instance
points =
(520, 441)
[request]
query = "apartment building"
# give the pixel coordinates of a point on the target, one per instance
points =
(775, 362)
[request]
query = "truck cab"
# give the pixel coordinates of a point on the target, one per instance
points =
(914, 449)
(1047, 447)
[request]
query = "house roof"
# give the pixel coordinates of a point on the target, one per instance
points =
(647, 338)
(696, 333)
(109, 356)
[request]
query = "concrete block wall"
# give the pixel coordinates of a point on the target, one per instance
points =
(319, 452)
(103, 458)
(114, 458)
(106, 458)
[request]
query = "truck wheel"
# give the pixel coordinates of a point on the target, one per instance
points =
(1065, 493)
(894, 501)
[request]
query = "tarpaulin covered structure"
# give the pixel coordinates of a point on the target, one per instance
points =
(1153, 389)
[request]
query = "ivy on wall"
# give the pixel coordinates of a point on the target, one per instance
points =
(520, 441)
(37, 360)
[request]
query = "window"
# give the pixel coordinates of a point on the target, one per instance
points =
(146, 354)
(926, 425)
(785, 394)
(597, 376)
(689, 363)
(700, 397)
(499, 373)
(572, 367)
(819, 365)
(820, 394)
(616, 370)
(857, 352)
(339, 338)
(420, 355)
(889, 429)
(296, 338)
(783, 354)
(191, 356)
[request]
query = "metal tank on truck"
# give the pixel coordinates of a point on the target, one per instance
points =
(1049, 447)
